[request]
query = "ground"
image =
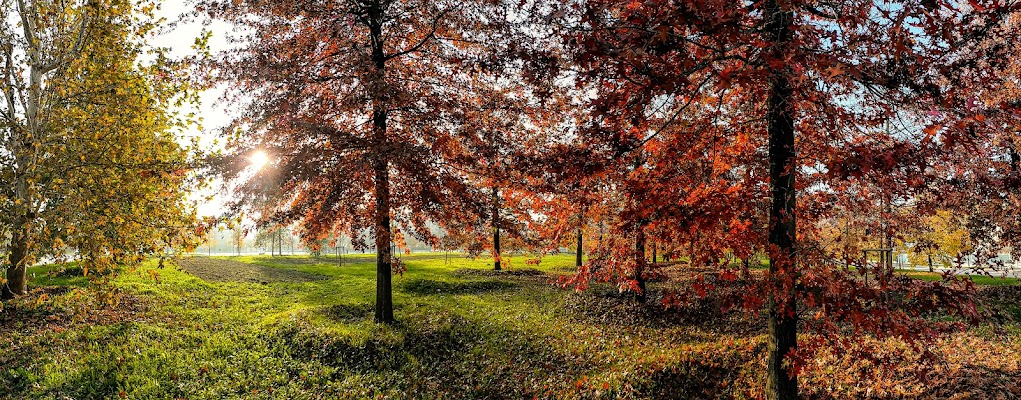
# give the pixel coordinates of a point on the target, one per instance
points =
(298, 327)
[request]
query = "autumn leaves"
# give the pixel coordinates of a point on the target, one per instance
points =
(91, 167)
(710, 131)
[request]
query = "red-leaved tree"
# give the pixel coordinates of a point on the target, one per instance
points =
(785, 110)
(367, 109)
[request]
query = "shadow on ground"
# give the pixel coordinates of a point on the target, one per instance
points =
(434, 287)
(448, 356)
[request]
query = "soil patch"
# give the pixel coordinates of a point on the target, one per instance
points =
(221, 270)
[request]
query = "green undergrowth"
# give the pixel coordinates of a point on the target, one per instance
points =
(463, 332)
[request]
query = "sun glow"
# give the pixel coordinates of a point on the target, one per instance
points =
(258, 159)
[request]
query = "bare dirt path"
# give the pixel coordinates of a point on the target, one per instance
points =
(222, 270)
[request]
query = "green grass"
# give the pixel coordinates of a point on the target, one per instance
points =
(458, 336)
(977, 279)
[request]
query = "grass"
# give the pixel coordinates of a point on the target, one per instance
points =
(462, 333)
(459, 335)
(982, 280)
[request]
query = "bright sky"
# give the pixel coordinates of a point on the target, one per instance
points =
(212, 113)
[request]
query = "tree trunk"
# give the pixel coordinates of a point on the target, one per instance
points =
(384, 295)
(496, 229)
(580, 250)
(17, 268)
(380, 165)
(640, 264)
(782, 312)
(654, 253)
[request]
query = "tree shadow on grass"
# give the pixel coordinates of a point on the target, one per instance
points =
(348, 313)
(424, 287)
(698, 378)
(606, 306)
(467, 272)
(224, 270)
(445, 356)
(99, 378)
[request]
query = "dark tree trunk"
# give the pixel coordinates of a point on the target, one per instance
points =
(640, 265)
(17, 268)
(580, 250)
(384, 293)
(496, 229)
(782, 312)
(654, 260)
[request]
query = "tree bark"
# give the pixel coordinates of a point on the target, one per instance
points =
(580, 252)
(384, 312)
(384, 294)
(782, 307)
(496, 229)
(17, 268)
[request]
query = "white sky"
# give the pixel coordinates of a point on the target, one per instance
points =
(210, 111)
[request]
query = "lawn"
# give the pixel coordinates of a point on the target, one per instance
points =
(300, 328)
(978, 279)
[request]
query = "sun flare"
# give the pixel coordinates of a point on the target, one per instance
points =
(258, 159)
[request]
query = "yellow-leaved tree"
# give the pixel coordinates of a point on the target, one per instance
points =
(92, 165)
(943, 238)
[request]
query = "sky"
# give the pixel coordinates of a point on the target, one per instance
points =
(179, 38)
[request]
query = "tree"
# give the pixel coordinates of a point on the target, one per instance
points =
(237, 236)
(29, 61)
(362, 105)
(88, 147)
(802, 95)
(274, 237)
(942, 240)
